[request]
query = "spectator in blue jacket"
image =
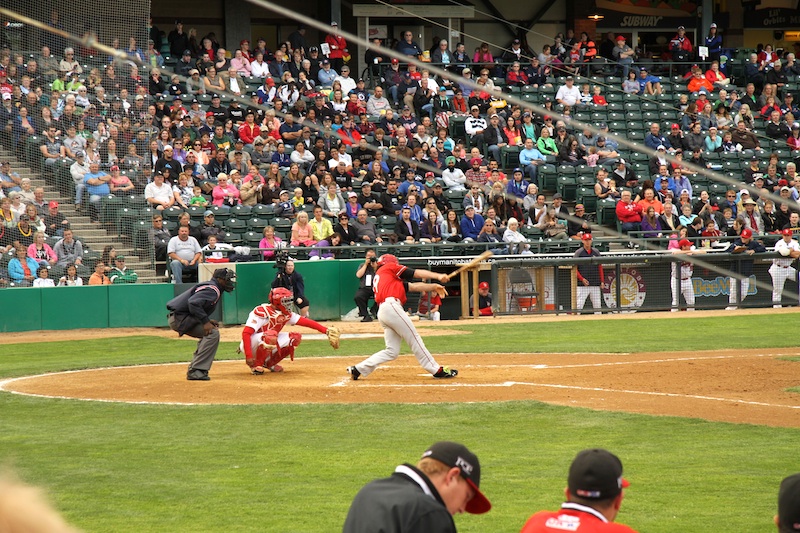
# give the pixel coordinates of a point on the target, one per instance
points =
(471, 224)
(518, 186)
(530, 158)
(22, 269)
(655, 139)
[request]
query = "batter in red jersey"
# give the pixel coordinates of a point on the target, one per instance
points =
(391, 283)
(594, 496)
(263, 343)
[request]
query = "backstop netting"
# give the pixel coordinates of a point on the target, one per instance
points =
(113, 24)
(59, 75)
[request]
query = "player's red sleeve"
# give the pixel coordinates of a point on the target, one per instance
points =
(247, 332)
(580, 277)
(602, 275)
(313, 324)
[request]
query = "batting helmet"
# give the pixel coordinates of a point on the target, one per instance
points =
(281, 297)
(387, 258)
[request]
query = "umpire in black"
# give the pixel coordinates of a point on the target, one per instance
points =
(189, 315)
(421, 498)
(365, 275)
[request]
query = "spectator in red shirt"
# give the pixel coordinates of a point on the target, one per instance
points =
(249, 130)
(516, 76)
(629, 213)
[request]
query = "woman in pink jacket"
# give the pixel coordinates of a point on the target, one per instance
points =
(225, 193)
(41, 252)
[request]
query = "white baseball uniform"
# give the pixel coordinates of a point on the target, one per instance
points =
(683, 286)
(782, 268)
(390, 294)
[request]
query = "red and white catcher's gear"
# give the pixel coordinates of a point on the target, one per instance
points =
(281, 297)
(287, 342)
(267, 343)
(263, 342)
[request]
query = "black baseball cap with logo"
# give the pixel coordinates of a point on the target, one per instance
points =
(789, 503)
(596, 474)
(457, 455)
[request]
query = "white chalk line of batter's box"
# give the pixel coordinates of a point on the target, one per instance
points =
(574, 387)
(542, 366)
(638, 362)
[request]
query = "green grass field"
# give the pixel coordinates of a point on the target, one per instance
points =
(295, 468)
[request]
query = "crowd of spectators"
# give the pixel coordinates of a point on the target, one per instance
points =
(292, 128)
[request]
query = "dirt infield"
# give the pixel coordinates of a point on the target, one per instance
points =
(730, 386)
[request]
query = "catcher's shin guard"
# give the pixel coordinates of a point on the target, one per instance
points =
(262, 352)
(285, 351)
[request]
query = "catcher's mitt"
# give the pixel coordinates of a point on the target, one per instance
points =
(333, 337)
(440, 290)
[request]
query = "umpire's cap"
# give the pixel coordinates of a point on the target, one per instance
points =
(596, 475)
(789, 503)
(227, 277)
(457, 455)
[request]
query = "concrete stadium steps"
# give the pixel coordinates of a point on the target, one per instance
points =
(95, 236)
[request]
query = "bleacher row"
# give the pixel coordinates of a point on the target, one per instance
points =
(627, 115)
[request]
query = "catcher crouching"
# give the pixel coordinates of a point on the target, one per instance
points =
(264, 344)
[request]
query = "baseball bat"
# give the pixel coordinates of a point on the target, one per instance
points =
(485, 255)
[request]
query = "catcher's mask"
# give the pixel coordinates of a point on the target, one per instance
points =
(281, 297)
(226, 279)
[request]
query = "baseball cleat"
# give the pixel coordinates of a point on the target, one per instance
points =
(257, 370)
(446, 372)
(276, 368)
(354, 373)
(197, 375)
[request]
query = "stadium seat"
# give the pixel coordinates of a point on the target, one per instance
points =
(241, 211)
(282, 224)
(251, 239)
(196, 211)
(586, 196)
(261, 210)
(172, 213)
(567, 186)
(509, 157)
(548, 175)
(257, 224)
(387, 222)
(236, 225)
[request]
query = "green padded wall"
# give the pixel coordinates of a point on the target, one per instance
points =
(21, 309)
(74, 307)
(140, 305)
(330, 286)
(348, 284)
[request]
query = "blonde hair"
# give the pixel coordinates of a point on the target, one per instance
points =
(25, 509)
(432, 467)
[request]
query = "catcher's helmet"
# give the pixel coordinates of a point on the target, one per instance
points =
(226, 279)
(281, 297)
(387, 258)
